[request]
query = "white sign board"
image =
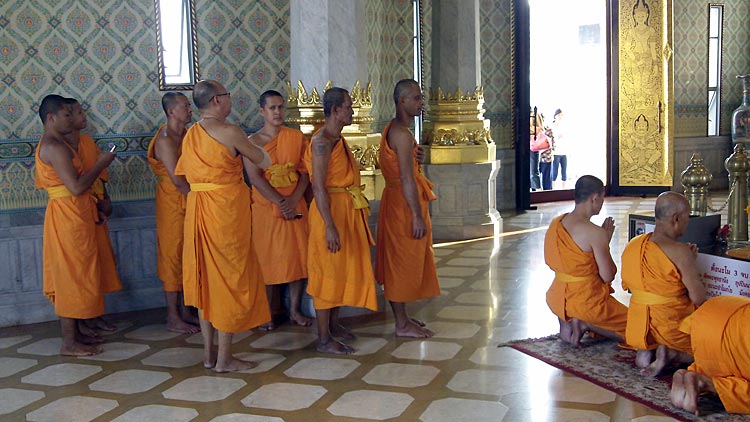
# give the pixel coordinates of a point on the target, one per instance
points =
(724, 276)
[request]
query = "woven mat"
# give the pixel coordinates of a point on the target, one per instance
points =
(603, 363)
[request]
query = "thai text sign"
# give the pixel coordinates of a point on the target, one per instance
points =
(724, 276)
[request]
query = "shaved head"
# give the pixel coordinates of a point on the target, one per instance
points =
(586, 186)
(170, 100)
(670, 203)
(402, 87)
(203, 91)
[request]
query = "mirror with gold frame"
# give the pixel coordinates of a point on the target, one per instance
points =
(176, 44)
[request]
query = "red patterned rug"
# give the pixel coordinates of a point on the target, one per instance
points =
(605, 364)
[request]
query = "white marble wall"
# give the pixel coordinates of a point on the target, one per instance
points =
(456, 61)
(714, 151)
(133, 236)
(328, 42)
(465, 207)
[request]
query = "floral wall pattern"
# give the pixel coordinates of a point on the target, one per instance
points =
(104, 54)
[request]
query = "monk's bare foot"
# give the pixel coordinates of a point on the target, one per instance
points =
(335, 347)
(79, 349)
(189, 318)
(418, 322)
(99, 323)
(643, 358)
(177, 325)
(412, 330)
(301, 320)
(210, 360)
(677, 393)
(85, 330)
(338, 330)
(566, 331)
(658, 365)
(235, 365)
(83, 339)
(269, 326)
(578, 329)
(694, 386)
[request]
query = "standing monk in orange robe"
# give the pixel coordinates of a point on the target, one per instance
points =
(89, 151)
(71, 258)
(338, 260)
(220, 270)
(721, 348)
(661, 274)
(404, 261)
(171, 193)
(279, 209)
(578, 252)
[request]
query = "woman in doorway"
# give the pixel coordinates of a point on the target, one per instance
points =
(560, 161)
(534, 130)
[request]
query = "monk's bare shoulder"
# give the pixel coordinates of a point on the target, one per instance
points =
(320, 145)
(51, 148)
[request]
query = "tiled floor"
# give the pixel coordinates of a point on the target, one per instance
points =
(493, 291)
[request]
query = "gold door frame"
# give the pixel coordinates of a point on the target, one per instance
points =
(645, 94)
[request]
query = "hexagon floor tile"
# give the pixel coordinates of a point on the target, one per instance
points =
(492, 293)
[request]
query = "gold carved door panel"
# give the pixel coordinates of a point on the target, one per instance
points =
(646, 98)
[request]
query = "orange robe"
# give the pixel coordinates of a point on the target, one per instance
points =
(660, 300)
(89, 152)
(278, 240)
(220, 271)
(403, 264)
(71, 269)
(578, 291)
(344, 278)
(170, 222)
(721, 348)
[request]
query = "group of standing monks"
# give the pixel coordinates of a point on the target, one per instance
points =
(669, 321)
(222, 246)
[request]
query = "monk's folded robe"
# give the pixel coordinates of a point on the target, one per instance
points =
(577, 290)
(276, 239)
(170, 221)
(89, 152)
(220, 270)
(71, 262)
(659, 299)
(721, 347)
(405, 266)
(344, 278)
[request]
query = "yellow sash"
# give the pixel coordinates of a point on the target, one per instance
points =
(647, 298)
(55, 192)
(282, 175)
(567, 278)
(358, 197)
(203, 187)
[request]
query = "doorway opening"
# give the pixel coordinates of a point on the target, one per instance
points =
(568, 88)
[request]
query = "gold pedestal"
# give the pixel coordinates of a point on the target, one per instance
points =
(456, 154)
(305, 112)
(455, 129)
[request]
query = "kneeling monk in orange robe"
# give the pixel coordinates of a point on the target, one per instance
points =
(721, 348)
(221, 275)
(72, 268)
(89, 151)
(339, 265)
(661, 275)
(280, 232)
(171, 198)
(578, 252)
(404, 261)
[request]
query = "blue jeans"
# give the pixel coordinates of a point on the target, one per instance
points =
(546, 180)
(536, 182)
(562, 161)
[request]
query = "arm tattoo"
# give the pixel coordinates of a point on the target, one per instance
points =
(320, 148)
